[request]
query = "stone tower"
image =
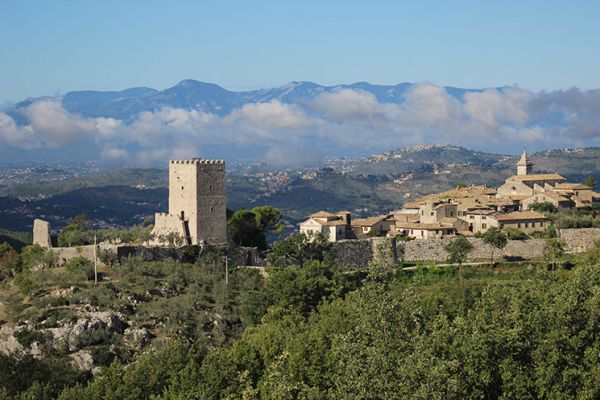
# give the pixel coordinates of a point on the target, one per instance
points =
(525, 165)
(197, 202)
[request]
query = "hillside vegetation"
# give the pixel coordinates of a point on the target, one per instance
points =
(313, 331)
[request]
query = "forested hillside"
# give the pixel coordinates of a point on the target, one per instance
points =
(317, 331)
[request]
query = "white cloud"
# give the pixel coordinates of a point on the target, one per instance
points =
(347, 120)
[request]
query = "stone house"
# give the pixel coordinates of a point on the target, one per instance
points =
(480, 220)
(526, 221)
(379, 225)
(332, 226)
(555, 198)
(436, 230)
(582, 195)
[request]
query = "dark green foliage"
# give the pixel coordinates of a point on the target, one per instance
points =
(35, 256)
(297, 249)
(10, 262)
(513, 233)
(495, 238)
(590, 181)
(543, 207)
(72, 235)
(458, 250)
(28, 378)
(80, 268)
(249, 227)
(26, 337)
(300, 289)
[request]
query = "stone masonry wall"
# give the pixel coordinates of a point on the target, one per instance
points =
(433, 249)
(579, 240)
(360, 253)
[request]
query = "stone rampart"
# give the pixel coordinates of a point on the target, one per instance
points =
(65, 254)
(433, 250)
(359, 253)
(580, 239)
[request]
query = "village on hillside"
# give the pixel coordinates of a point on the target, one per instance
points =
(467, 210)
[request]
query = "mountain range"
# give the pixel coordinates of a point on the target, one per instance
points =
(191, 94)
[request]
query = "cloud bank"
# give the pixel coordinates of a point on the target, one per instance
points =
(345, 121)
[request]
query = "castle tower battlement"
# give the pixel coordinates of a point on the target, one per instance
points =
(197, 198)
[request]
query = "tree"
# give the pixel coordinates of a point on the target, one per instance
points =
(553, 251)
(249, 227)
(590, 181)
(243, 230)
(544, 207)
(495, 238)
(297, 249)
(458, 250)
(10, 262)
(268, 218)
(83, 222)
(513, 233)
(72, 235)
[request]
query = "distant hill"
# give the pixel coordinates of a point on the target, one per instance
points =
(375, 184)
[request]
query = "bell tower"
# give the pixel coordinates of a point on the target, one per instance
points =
(525, 165)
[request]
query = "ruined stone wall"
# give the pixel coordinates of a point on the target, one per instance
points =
(41, 233)
(165, 224)
(65, 254)
(580, 239)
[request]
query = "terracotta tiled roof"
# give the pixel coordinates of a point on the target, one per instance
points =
(572, 186)
(323, 214)
(337, 222)
(539, 177)
(481, 212)
(428, 227)
(369, 221)
(551, 195)
(520, 216)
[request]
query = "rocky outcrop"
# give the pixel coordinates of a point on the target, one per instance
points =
(95, 327)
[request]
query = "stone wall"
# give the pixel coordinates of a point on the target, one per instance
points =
(355, 253)
(41, 233)
(360, 253)
(579, 240)
(433, 250)
(65, 254)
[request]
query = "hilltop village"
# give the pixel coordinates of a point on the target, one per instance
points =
(464, 210)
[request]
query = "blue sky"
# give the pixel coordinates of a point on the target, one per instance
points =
(51, 47)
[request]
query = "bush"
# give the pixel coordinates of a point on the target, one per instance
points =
(513, 233)
(26, 337)
(80, 268)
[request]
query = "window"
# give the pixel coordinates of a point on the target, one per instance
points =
(210, 187)
(432, 213)
(519, 225)
(182, 188)
(484, 217)
(471, 217)
(212, 209)
(526, 225)
(483, 226)
(452, 213)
